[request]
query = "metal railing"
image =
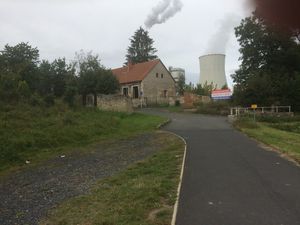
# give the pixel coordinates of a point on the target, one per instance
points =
(237, 111)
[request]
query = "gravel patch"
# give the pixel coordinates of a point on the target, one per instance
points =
(27, 195)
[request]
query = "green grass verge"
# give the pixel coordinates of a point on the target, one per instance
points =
(35, 133)
(144, 194)
(285, 141)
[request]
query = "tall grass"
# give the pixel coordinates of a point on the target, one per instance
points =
(214, 108)
(283, 136)
(33, 132)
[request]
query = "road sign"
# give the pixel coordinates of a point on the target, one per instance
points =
(254, 106)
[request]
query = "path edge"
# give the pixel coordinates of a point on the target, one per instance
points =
(175, 211)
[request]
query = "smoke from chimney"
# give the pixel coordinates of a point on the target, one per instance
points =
(220, 39)
(162, 12)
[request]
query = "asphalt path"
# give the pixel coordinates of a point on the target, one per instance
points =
(230, 179)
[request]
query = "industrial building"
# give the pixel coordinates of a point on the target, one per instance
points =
(176, 73)
(212, 70)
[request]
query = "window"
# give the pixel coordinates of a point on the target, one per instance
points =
(165, 93)
(136, 92)
(125, 91)
(156, 75)
(162, 76)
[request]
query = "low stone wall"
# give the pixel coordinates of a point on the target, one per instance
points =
(191, 99)
(116, 103)
(153, 101)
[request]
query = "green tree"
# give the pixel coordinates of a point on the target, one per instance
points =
(94, 78)
(141, 48)
(204, 90)
(61, 71)
(270, 64)
(180, 84)
(21, 59)
(46, 85)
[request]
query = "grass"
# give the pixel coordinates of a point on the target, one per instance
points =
(282, 136)
(35, 133)
(144, 194)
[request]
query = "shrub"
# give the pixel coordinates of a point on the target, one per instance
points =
(246, 123)
(214, 108)
(36, 100)
(49, 100)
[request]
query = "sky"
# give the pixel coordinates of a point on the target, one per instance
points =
(59, 28)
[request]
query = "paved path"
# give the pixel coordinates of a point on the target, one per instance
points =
(229, 179)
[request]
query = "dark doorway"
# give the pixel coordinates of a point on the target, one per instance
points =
(136, 92)
(125, 91)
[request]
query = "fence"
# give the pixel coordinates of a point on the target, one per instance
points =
(273, 110)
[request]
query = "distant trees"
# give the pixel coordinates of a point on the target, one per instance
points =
(180, 84)
(141, 48)
(23, 77)
(270, 65)
(204, 90)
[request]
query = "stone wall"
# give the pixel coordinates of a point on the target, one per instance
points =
(191, 99)
(116, 103)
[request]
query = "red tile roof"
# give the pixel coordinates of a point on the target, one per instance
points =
(135, 73)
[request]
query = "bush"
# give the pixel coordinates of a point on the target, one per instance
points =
(278, 119)
(49, 100)
(177, 103)
(36, 100)
(246, 123)
(214, 108)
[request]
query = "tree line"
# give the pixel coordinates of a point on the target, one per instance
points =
(269, 73)
(26, 78)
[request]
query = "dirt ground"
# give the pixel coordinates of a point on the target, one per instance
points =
(27, 195)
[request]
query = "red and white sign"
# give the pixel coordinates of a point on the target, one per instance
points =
(221, 94)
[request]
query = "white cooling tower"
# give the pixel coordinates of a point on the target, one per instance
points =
(212, 70)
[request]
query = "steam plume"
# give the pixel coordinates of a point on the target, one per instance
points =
(162, 12)
(220, 39)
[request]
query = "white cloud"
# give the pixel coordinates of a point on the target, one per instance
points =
(59, 28)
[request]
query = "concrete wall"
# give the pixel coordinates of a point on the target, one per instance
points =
(115, 103)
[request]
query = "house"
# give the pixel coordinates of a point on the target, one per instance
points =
(148, 81)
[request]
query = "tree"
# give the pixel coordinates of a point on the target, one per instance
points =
(180, 84)
(61, 70)
(21, 59)
(205, 89)
(270, 64)
(141, 48)
(45, 72)
(94, 78)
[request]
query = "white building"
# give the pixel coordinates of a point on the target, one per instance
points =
(176, 73)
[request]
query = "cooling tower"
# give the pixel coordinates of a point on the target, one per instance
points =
(212, 69)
